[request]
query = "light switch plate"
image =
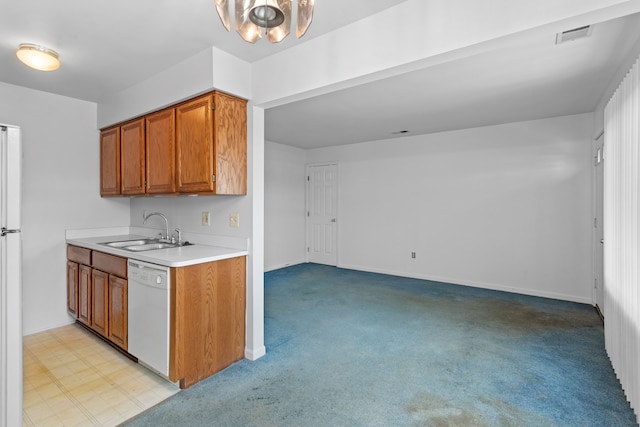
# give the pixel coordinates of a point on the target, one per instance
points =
(234, 220)
(206, 218)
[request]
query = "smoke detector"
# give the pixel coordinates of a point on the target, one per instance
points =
(575, 34)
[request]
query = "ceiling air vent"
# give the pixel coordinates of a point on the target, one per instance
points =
(575, 34)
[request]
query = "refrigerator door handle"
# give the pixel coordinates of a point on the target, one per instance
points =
(6, 231)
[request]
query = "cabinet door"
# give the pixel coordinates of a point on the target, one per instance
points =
(84, 294)
(132, 149)
(230, 143)
(118, 311)
(110, 162)
(208, 305)
(194, 146)
(161, 152)
(99, 301)
(72, 288)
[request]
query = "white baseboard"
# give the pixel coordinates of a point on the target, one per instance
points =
(254, 354)
(49, 327)
(287, 264)
(476, 284)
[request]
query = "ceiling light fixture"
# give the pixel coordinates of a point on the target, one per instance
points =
(38, 57)
(265, 18)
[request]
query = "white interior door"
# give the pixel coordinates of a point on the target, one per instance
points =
(322, 214)
(598, 262)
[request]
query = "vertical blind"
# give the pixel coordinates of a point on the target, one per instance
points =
(621, 239)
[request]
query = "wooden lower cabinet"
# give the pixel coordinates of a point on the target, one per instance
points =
(84, 294)
(97, 292)
(99, 301)
(207, 309)
(208, 319)
(72, 288)
(118, 315)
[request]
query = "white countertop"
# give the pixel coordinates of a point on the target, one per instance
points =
(196, 253)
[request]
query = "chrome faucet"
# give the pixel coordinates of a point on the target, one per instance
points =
(166, 224)
(177, 239)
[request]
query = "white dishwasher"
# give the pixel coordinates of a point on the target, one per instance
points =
(149, 286)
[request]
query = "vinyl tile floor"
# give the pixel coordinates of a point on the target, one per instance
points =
(72, 378)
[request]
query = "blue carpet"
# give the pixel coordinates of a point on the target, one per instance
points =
(349, 348)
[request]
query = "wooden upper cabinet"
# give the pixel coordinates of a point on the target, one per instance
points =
(230, 143)
(194, 145)
(161, 152)
(211, 145)
(132, 152)
(110, 162)
(198, 147)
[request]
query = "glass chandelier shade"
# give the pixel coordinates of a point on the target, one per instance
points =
(255, 19)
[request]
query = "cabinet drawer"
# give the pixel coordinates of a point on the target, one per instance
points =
(79, 255)
(110, 264)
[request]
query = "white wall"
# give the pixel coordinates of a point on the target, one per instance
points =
(622, 71)
(60, 191)
(185, 213)
(503, 207)
(208, 69)
(284, 206)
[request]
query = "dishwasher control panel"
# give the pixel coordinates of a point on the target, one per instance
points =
(148, 274)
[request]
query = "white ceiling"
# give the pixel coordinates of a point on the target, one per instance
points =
(531, 78)
(107, 46)
(110, 45)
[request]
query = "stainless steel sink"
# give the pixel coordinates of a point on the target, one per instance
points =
(141, 245)
(150, 247)
(124, 243)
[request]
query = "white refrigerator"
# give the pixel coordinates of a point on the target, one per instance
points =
(10, 277)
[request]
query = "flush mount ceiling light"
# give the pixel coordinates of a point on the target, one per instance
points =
(38, 57)
(265, 18)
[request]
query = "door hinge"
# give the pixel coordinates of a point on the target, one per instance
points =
(213, 106)
(307, 248)
(213, 178)
(308, 179)
(308, 213)
(595, 222)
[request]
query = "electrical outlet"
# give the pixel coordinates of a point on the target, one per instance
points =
(234, 220)
(413, 255)
(206, 218)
